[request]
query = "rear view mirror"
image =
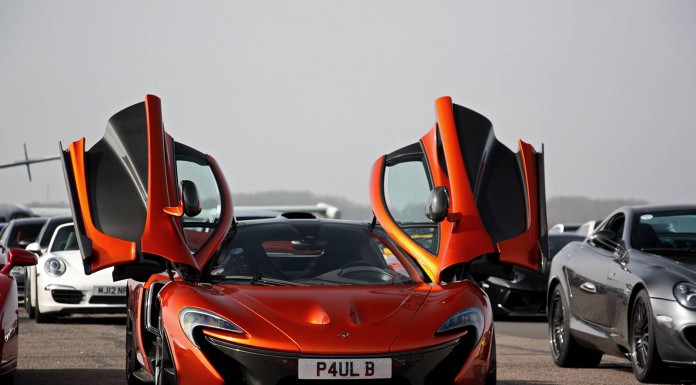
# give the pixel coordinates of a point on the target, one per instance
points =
(190, 199)
(19, 257)
(438, 204)
(34, 248)
(605, 239)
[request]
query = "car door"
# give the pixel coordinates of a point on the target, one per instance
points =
(587, 273)
(491, 199)
(141, 201)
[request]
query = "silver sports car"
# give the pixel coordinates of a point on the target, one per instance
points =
(628, 290)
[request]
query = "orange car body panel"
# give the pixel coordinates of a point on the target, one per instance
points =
(462, 235)
(107, 251)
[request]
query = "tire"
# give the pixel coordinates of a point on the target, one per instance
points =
(566, 352)
(491, 377)
(165, 372)
(645, 360)
(31, 310)
(132, 364)
(8, 378)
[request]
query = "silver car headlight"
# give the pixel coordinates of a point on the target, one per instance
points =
(685, 293)
(191, 318)
(472, 316)
(55, 267)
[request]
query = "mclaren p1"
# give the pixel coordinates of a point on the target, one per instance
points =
(297, 299)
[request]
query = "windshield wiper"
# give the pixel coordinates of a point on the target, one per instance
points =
(256, 280)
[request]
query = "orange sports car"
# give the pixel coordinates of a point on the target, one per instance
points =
(297, 299)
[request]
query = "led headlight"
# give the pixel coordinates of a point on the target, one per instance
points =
(191, 318)
(55, 267)
(472, 316)
(685, 293)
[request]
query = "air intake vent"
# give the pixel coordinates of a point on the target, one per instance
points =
(298, 215)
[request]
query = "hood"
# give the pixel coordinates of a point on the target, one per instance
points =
(334, 320)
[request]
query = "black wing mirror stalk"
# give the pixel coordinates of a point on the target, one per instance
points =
(438, 204)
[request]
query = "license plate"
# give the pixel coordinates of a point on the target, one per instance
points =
(344, 369)
(110, 290)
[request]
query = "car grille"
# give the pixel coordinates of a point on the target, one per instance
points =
(70, 297)
(108, 299)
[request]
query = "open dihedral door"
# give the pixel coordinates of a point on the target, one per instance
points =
(139, 199)
(483, 199)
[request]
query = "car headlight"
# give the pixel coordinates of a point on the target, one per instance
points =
(472, 316)
(191, 318)
(54, 267)
(685, 293)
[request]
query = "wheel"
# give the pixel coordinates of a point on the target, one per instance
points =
(44, 318)
(491, 377)
(7, 378)
(28, 299)
(165, 372)
(131, 361)
(566, 352)
(646, 361)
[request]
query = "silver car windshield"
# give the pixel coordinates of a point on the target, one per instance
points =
(665, 233)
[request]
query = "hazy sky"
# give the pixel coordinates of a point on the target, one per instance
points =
(305, 95)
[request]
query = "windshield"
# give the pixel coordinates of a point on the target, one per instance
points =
(64, 239)
(670, 233)
(311, 253)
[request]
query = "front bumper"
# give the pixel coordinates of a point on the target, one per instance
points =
(240, 364)
(76, 294)
(675, 329)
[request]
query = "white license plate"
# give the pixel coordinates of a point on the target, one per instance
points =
(109, 290)
(344, 369)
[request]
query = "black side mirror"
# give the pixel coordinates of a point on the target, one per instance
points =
(190, 199)
(438, 204)
(605, 239)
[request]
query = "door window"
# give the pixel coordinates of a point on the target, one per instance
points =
(199, 228)
(406, 188)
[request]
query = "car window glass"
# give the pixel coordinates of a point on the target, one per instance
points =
(198, 229)
(313, 254)
(64, 239)
(406, 189)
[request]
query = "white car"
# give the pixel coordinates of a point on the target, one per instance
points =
(57, 285)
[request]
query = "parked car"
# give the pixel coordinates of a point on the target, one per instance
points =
(629, 290)
(10, 211)
(564, 228)
(297, 298)
(58, 285)
(40, 245)
(18, 234)
(9, 320)
(525, 293)
(588, 227)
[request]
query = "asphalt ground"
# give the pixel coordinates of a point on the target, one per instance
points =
(90, 350)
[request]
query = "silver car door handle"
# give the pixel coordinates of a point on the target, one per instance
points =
(588, 287)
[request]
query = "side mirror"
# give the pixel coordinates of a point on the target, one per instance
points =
(605, 239)
(190, 199)
(438, 204)
(34, 248)
(19, 257)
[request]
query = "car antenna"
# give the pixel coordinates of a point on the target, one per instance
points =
(374, 222)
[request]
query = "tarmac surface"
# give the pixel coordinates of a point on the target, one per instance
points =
(90, 350)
